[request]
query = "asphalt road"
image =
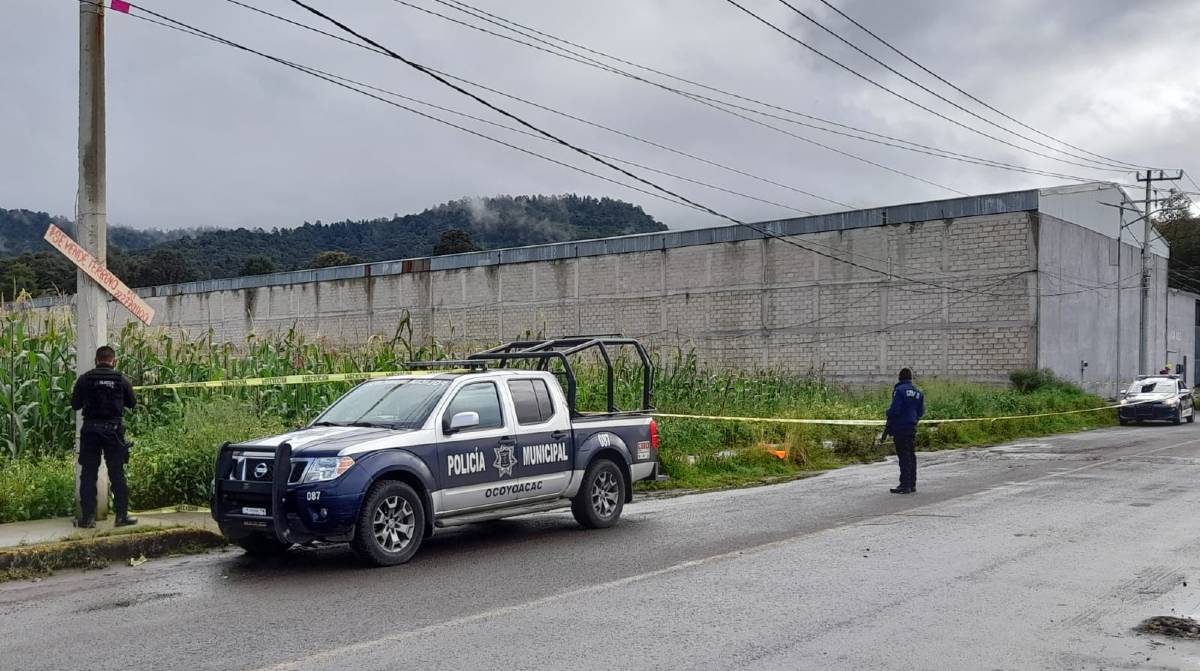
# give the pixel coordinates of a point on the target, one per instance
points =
(1039, 555)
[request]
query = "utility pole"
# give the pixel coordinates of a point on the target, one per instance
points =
(1144, 364)
(1120, 252)
(91, 225)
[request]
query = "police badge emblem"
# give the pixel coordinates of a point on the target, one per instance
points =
(505, 460)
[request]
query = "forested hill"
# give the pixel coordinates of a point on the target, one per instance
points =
(147, 258)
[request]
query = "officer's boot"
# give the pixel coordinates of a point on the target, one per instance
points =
(85, 521)
(123, 520)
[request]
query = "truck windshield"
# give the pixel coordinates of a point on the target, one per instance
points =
(396, 404)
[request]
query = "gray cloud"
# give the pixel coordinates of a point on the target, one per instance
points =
(202, 135)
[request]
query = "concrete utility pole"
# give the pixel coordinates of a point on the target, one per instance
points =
(1144, 364)
(91, 225)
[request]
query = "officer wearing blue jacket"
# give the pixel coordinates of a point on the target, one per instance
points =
(908, 406)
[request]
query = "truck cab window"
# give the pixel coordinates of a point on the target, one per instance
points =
(532, 401)
(482, 398)
(543, 398)
(525, 402)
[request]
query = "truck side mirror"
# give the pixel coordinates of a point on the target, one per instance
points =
(463, 420)
(1123, 393)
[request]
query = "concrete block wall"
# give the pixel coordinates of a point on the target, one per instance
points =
(948, 297)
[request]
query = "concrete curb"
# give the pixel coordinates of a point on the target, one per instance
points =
(27, 561)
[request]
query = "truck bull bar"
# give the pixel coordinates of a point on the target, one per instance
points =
(233, 493)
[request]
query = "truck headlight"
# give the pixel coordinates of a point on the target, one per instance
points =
(327, 468)
(1171, 402)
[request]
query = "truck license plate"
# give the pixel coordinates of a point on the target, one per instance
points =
(255, 511)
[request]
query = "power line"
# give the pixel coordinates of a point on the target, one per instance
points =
(762, 231)
(968, 95)
(1119, 167)
(888, 262)
(167, 22)
(184, 27)
(1190, 179)
(901, 96)
(551, 110)
(882, 139)
(669, 195)
(717, 105)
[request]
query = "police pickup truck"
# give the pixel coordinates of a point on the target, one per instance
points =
(395, 458)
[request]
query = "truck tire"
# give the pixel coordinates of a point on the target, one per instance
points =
(601, 496)
(1191, 418)
(1178, 418)
(262, 545)
(391, 524)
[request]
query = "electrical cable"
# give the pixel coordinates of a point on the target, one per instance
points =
(167, 22)
(901, 96)
(195, 31)
(183, 27)
(1119, 167)
(551, 110)
(368, 48)
(883, 139)
(968, 95)
(722, 107)
(762, 231)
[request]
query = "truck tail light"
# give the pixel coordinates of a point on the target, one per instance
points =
(653, 434)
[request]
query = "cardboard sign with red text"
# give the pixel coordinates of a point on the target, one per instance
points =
(98, 272)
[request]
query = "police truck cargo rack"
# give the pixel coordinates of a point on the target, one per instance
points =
(396, 458)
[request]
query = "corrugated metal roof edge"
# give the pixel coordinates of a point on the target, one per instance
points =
(951, 208)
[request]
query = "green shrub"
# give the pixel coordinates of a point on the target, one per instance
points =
(1031, 380)
(36, 488)
(173, 463)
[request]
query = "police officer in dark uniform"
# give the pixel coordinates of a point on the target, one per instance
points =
(103, 394)
(908, 406)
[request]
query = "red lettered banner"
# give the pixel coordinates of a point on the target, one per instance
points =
(97, 271)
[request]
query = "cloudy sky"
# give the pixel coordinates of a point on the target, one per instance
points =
(200, 134)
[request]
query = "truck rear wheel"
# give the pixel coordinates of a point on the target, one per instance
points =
(601, 495)
(391, 524)
(262, 545)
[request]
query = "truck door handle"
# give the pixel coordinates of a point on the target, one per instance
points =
(558, 435)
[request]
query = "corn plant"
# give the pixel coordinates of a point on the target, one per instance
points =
(37, 365)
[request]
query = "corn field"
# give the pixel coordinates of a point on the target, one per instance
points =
(38, 373)
(37, 362)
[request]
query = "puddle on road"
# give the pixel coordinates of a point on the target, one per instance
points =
(1175, 627)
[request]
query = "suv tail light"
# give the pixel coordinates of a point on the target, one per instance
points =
(653, 434)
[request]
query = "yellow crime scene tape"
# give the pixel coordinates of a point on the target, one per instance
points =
(359, 377)
(875, 422)
(288, 379)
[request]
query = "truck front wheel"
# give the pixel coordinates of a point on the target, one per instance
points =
(391, 524)
(601, 495)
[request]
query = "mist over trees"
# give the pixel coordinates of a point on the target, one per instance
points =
(149, 258)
